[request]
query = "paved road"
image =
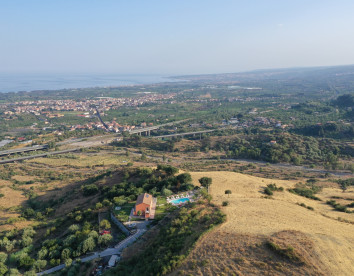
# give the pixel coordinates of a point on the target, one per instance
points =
(146, 129)
(37, 155)
(184, 134)
(107, 252)
(25, 149)
(128, 241)
(53, 269)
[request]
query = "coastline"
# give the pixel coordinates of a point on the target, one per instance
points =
(12, 83)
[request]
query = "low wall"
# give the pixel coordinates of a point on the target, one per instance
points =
(120, 225)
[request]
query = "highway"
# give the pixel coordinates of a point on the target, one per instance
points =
(37, 155)
(81, 143)
(185, 133)
(25, 149)
(148, 129)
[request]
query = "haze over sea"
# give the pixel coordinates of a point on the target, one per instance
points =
(31, 82)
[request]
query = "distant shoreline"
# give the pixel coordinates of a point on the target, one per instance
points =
(13, 83)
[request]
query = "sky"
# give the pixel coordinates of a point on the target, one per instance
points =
(173, 36)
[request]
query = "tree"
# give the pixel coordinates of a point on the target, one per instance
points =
(169, 170)
(184, 178)
(98, 205)
(13, 272)
(68, 262)
(105, 224)
(30, 273)
(3, 257)
(88, 245)
(26, 241)
(28, 232)
(65, 254)
(166, 192)
(70, 240)
(105, 239)
(206, 195)
(39, 265)
(93, 234)
(89, 190)
(74, 228)
(228, 192)
(119, 201)
(205, 182)
(51, 145)
(3, 269)
(26, 261)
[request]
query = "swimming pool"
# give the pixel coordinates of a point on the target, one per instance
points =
(179, 201)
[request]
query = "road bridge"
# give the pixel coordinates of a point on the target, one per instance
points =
(21, 150)
(37, 155)
(193, 133)
(147, 130)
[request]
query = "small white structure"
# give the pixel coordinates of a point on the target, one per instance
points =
(113, 260)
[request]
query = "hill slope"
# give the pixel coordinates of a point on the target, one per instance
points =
(324, 244)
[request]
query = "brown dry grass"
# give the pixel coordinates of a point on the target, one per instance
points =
(250, 213)
(224, 253)
(11, 197)
(23, 177)
(83, 160)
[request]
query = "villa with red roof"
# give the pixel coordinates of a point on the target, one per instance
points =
(145, 206)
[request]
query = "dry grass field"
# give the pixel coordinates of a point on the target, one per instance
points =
(329, 243)
(82, 160)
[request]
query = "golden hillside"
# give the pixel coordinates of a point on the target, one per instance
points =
(324, 243)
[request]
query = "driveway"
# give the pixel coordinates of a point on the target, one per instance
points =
(118, 248)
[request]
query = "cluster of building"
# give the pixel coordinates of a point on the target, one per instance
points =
(258, 121)
(43, 107)
(112, 126)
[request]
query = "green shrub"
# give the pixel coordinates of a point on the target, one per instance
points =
(268, 191)
(305, 192)
(287, 252)
(304, 205)
(337, 206)
(89, 190)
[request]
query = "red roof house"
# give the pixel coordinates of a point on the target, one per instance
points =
(144, 205)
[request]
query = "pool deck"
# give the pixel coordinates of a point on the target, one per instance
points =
(187, 195)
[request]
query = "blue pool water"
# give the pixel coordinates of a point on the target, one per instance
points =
(179, 200)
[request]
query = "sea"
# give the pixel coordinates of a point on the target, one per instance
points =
(32, 82)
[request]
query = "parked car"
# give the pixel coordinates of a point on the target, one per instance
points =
(132, 225)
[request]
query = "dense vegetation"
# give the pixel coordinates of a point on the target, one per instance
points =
(177, 235)
(77, 233)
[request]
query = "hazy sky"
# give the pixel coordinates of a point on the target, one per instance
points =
(173, 36)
